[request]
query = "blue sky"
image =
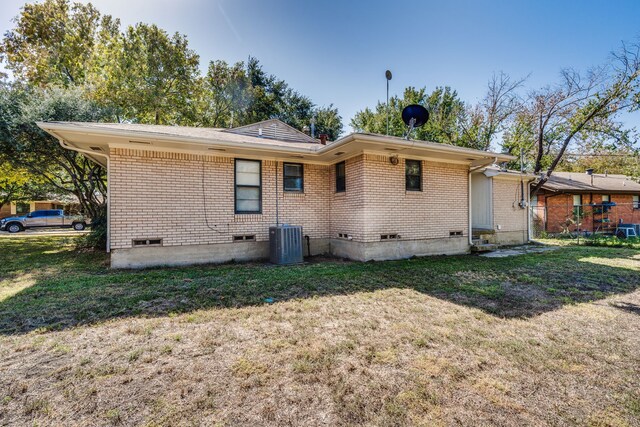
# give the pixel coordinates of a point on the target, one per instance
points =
(337, 51)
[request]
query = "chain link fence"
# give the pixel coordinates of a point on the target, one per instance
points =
(586, 220)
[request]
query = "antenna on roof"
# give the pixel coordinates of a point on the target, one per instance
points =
(388, 75)
(414, 116)
(313, 126)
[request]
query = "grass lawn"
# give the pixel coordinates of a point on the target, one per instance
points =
(538, 339)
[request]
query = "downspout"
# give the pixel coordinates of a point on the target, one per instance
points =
(93, 153)
(470, 233)
(529, 210)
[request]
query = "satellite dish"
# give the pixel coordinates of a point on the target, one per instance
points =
(387, 74)
(414, 116)
(418, 113)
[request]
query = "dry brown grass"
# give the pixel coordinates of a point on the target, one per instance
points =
(385, 358)
(392, 357)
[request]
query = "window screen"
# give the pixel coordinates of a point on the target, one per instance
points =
(413, 175)
(248, 186)
(341, 181)
(293, 177)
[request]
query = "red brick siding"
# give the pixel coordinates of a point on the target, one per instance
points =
(559, 207)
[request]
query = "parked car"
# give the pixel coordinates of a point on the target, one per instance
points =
(43, 218)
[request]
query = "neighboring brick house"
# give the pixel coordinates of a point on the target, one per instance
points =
(585, 202)
(23, 208)
(195, 195)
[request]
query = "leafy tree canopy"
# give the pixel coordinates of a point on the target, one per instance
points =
(28, 148)
(146, 75)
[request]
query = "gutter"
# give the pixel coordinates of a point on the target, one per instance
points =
(313, 151)
(64, 145)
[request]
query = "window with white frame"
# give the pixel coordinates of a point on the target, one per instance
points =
(636, 201)
(577, 204)
(248, 186)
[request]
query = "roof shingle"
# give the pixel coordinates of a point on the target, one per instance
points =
(582, 182)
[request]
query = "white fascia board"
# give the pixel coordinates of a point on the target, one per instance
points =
(320, 155)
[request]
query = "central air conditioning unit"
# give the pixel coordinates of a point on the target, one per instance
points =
(285, 244)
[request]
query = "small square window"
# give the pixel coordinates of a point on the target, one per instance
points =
(293, 177)
(341, 177)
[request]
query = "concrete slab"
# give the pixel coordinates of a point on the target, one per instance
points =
(519, 250)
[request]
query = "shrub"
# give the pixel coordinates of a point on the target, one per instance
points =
(97, 236)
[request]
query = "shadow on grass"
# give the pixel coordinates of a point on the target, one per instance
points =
(45, 284)
(627, 306)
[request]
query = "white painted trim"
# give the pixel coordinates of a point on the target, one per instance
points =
(469, 204)
(412, 157)
(80, 150)
(314, 151)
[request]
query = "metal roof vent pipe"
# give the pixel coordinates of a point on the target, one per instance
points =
(323, 138)
(590, 173)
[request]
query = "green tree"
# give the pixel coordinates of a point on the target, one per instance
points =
(328, 121)
(625, 161)
(27, 147)
(52, 42)
(578, 113)
(17, 184)
(451, 121)
(446, 112)
(225, 93)
(243, 93)
(150, 76)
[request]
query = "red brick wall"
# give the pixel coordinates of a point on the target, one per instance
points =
(559, 207)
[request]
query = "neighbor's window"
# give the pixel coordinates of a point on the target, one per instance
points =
(413, 175)
(293, 177)
(577, 204)
(248, 186)
(606, 198)
(636, 201)
(22, 208)
(341, 180)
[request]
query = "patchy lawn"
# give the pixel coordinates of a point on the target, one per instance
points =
(540, 339)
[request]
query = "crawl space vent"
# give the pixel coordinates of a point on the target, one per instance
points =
(394, 236)
(147, 242)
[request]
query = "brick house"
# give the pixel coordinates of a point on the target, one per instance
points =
(24, 207)
(589, 202)
(180, 195)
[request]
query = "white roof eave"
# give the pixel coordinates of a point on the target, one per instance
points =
(63, 131)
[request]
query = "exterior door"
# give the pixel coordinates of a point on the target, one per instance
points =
(481, 201)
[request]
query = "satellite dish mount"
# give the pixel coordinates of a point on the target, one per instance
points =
(414, 116)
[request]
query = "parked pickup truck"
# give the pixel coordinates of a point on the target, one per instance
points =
(43, 218)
